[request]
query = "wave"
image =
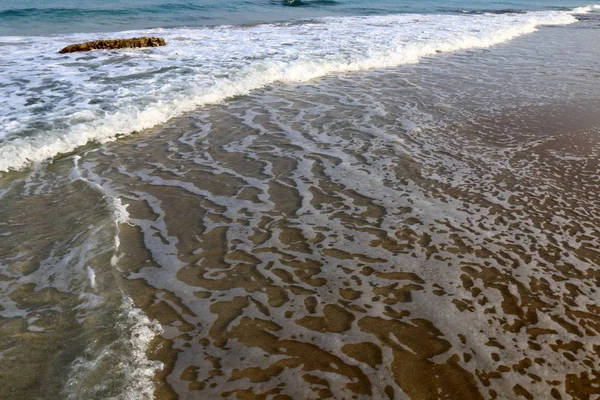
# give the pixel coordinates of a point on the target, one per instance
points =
(578, 10)
(485, 11)
(585, 9)
(56, 103)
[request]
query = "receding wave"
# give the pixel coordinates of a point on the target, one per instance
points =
(126, 371)
(56, 103)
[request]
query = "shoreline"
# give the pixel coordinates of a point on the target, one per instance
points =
(413, 232)
(179, 84)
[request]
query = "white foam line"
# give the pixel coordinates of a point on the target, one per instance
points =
(131, 371)
(585, 9)
(119, 210)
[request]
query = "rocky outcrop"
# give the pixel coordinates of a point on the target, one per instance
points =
(115, 44)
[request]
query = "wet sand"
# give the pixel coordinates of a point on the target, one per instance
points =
(285, 262)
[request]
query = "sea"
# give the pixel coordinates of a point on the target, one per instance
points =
(300, 199)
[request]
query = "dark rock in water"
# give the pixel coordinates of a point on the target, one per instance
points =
(115, 44)
(292, 3)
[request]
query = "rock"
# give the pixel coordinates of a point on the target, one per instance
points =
(115, 44)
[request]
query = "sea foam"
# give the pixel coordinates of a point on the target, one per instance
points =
(585, 9)
(52, 104)
(127, 372)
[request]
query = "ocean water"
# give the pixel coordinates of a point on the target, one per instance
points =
(324, 199)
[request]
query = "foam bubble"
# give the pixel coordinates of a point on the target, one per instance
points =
(92, 277)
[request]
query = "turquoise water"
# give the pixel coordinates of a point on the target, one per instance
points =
(37, 17)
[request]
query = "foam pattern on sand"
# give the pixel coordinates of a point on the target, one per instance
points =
(329, 241)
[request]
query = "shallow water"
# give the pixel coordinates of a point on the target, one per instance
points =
(422, 231)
